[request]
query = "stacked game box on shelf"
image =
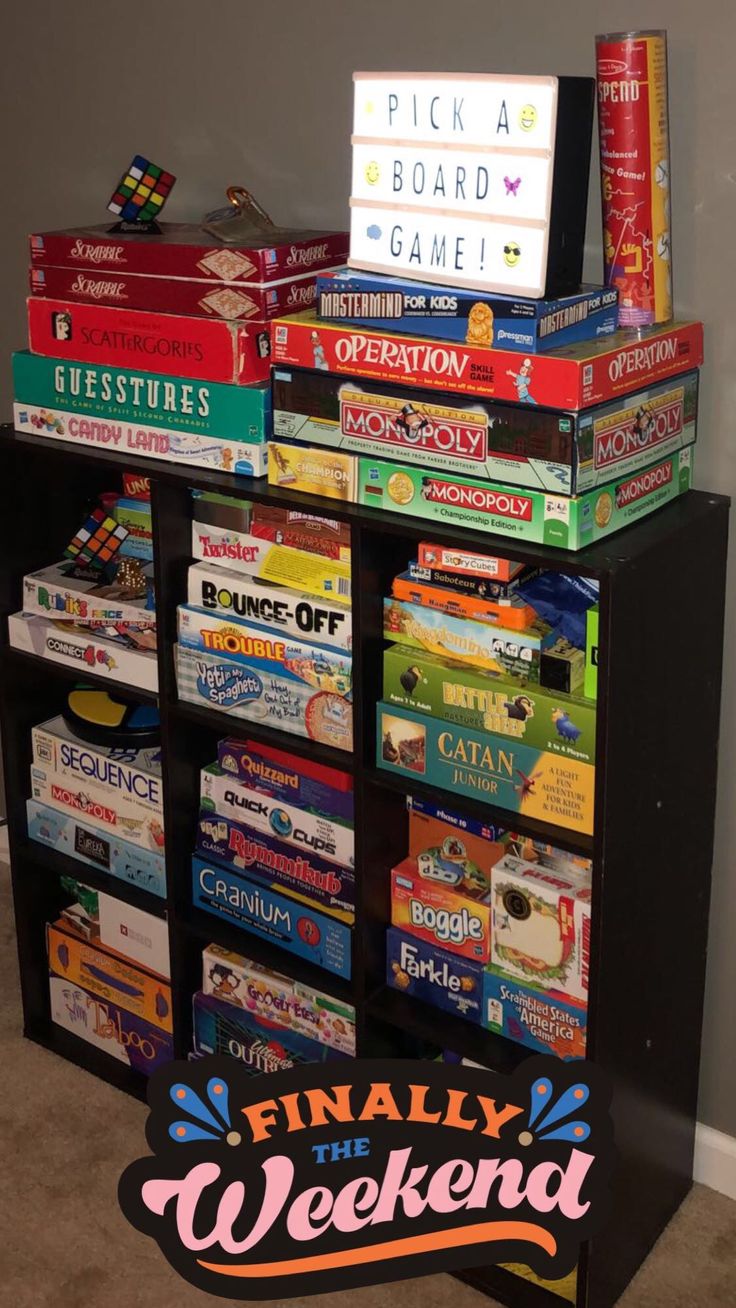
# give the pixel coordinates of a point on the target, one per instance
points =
(275, 851)
(266, 634)
(266, 1020)
(483, 687)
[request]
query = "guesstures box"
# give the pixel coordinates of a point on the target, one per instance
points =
(425, 972)
(303, 931)
(109, 976)
(543, 1021)
(592, 372)
(451, 313)
(262, 1046)
(207, 349)
(81, 840)
(285, 777)
(74, 649)
(294, 613)
(107, 1026)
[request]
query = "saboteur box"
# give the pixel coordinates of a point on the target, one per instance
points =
(573, 378)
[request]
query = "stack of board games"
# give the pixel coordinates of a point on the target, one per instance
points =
(275, 851)
(266, 633)
(266, 1020)
(158, 342)
(493, 928)
(109, 977)
(482, 695)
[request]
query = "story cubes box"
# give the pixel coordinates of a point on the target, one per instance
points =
(478, 644)
(87, 843)
(433, 975)
(452, 691)
(541, 926)
(546, 1022)
(508, 322)
(506, 773)
(262, 1046)
(107, 1026)
(439, 914)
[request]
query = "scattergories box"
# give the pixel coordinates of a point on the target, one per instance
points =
(206, 349)
(185, 250)
(572, 378)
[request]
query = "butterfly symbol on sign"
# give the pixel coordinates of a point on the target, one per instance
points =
(511, 187)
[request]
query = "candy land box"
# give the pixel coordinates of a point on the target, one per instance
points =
(541, 926)
(293, 612)
(107, 1026)
(478, 644)
(548, 1023)
(496, 769)
(507, 322)
(452, 691)
(320, 939)
(187, 250)
(591, 372)
(109, 976)
(75, 649)
(62, 592)
(237, 980)
(261, 1045)
(433, 975)
(87, 843)
(439, 914)
(288, 778)
(168, 404)
(304, 876)
(128, 774)
(242, 552)
(512, 613)
(206, 349)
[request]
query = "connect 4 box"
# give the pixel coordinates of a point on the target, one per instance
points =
(53, 640)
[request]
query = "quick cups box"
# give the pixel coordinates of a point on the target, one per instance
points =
(507, 322)
(288, 778)
(133, 776)
(61, 592)
(499, 770)
(242, 552)
(81, 840)
(439, 914)
(541, 926)
(109, 976)
(74, 649)
(261, 1046)
(544, 1021)
(434, 976)
(107, 1026)
(320, 939)
(479, 644)
(234, 594)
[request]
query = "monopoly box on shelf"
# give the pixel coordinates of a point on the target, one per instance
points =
(81, 840)
(75, 649)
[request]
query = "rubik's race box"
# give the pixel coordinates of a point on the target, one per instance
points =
(451, 313)
(573, 378)
(185, 250)
(515, 444)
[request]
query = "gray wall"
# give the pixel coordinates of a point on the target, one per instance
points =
(260, 94)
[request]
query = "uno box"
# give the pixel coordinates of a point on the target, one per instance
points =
(109, 1027)
(476, 643)
(204, 349)
(590, 684)
(135, 516)
(541, 926)
(188, 250)
(451, 313)
(137, 826)
(501, 592)
(74, 649)
(135, 934)
(131, 776)
(302, 531)
(465, 563)
(503, 772)
(559, 520)
(293, 612)
(451, 691)
(242, 552)
(94, 846)
(313, 832)
(313, 880)
(237, 980)
(433, 975)
(438, 914)
(109, 976)
(575, 377)
(288, 778)
(320, 939)
(262, 1046)
(460, 821)
(545, 1022)
(513, 614)
(60, 592)
(144, 400)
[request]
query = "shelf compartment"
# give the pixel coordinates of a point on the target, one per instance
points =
(44, 666)
(55, 863)
(430, 1024)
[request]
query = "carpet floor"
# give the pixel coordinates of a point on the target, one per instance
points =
(66, 1137)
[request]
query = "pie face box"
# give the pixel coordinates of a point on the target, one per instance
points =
(237, 980)
(513, 613)
(311, 833)
(75, 649)
(61, 592)
(292, 612)
(507, 322)
(287, 778)
(571, 378)
(186, 250)
(242, 552)
(434, 976)
(320, 939)
(546, 1022)
(302, 531)
(144, 400)
(325, 886)
(439, 915)
(510, 775)
(129, 774)
(107, 1026)
(207, 349)
(541, 926)
(451, 691)
(87, 843)
(109, 976)
(476, 643)
(262, 1046)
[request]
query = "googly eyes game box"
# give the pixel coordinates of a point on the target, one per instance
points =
(261, 1045)
(433, 975)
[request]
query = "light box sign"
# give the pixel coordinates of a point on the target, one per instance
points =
(473, 180)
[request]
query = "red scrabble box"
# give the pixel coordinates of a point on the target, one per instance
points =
(200, 348)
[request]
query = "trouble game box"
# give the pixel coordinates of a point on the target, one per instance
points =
(294, 613)
(81, 840)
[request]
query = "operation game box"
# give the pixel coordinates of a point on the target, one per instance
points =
(262, 1046)
(81, 840)
(107, 1026)
(294, 613)
(433, 975)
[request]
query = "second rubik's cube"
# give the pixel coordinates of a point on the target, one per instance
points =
(141, 192)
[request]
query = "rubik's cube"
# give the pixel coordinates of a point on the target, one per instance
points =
(141, 192)
(97, 541)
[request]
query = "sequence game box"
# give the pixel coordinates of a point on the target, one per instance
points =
(132, 776)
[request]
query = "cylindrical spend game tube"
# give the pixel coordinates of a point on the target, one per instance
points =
(635, 173)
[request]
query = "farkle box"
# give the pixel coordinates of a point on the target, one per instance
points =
(433, 975)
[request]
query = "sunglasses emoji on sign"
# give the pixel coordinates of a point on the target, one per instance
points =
(511, 254)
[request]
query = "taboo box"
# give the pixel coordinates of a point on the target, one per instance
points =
(108, 1026)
